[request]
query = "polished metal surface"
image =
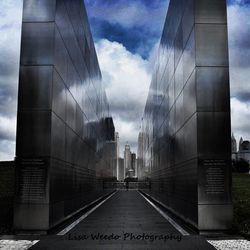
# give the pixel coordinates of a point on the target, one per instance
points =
(211, 45)
(186, 123)
(33, 133)
(37, 43)
(213, 11)
(62, 106)
(39, 10)
(213, 89)
(36, 87)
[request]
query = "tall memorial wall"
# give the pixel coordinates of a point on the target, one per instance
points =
(186, 123)
(62, 107)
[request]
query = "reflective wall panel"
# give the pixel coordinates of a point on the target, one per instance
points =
(186, 137)
(62, 107)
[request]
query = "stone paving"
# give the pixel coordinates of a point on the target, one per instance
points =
(218, 244)
(16, 244)
(230, 244)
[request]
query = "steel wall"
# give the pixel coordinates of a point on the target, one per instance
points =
(62, 106)
(186, 123)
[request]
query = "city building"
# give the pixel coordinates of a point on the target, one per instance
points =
(240, 142)
(234, 147)
(127, 160)
(244, 150)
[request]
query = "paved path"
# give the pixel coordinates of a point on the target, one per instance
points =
(125, 221)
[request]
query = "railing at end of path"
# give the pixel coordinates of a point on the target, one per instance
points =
(126, 185)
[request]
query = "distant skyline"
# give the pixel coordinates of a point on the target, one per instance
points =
(126, 35)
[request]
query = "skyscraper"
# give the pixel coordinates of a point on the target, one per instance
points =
(234, 144)
(240, 142)
(127, 160)
(234, 147)
(244, 150)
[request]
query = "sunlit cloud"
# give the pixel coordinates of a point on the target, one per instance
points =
(126, 79)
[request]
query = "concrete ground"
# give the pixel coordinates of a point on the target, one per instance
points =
(125, 221)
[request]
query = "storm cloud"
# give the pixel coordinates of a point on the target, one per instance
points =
(10, 32)
(239, 55)
(239, 50)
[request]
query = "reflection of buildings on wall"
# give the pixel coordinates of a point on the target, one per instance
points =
(133, 171)
(61, 108)
(186, 122)
(140, 168)
(107, 166)
(109, 129)
(117, 154)
(121, 172)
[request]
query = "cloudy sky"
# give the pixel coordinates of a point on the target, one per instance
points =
(126, 35)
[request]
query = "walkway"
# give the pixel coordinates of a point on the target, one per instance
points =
(125, 221)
